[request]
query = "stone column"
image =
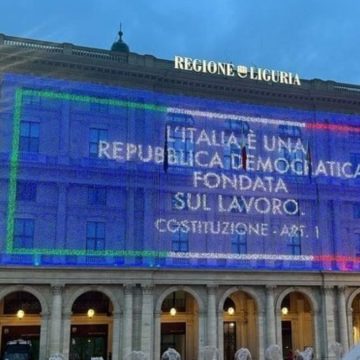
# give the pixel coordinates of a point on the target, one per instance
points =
(341, 305)
(157, 337)
(56, 320)
(221, 332)
(116, 318)
(127, 332)
(270, 316)
(211, 316)
(43, 346)
(349, 314)
(317, 347)
(328, 320)
(261, 330)
(66, 334)
(278, 320)
(147, 320)
(202, 327)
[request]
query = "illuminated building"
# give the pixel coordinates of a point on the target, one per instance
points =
(164, 240)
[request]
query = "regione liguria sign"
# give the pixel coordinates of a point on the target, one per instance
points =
(231, 70)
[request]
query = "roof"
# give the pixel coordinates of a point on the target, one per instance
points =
(146, 71)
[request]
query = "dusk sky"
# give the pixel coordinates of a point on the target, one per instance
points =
(315, 38)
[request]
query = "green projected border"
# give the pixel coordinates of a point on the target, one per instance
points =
(14, 165)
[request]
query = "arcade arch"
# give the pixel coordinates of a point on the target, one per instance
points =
(239, 313)
(91, 326)
(21, 317)
(180, 327)
(295, 311)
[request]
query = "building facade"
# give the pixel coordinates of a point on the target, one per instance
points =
(144, 207)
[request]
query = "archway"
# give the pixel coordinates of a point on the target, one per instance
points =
(20, 318)
(239, 324)
(355, 305)
(180, 324)
(91, 326)
(297, 323)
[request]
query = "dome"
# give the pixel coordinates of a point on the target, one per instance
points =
(119, 45)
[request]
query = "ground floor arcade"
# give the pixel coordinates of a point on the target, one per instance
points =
(91, 313)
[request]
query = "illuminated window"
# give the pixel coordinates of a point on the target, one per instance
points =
(180, 242)
(97, 195)
(293, 207)
(355, 159)
(95, 235)
(233, 153)
(294, 244)
(95, 136)
(356, 210)
(290, 131)
(354, 137)
(237, 206)
(292, 156)
(239, 244)
(357, 243)
(24, 233)
(26, 191)
(181, 140)
(293, 132)
(238, 126)
(29, 136)
(232, 157)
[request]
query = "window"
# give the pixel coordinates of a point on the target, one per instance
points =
(97, 195)
(95, 136)
(291, 134)
(354, 137)
(179, 205)
(29, 136)
(293, 207)
(297, 157)
(95, 235)
(24, 233)
(294, 244)
(290, 131)
(181, 144)
(355, 159)
(356, 210)
(357, 243)
(239, 244)
(233, 153)
(180, 242)
(26, 191)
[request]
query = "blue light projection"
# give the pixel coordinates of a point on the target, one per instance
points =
(128, 177)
